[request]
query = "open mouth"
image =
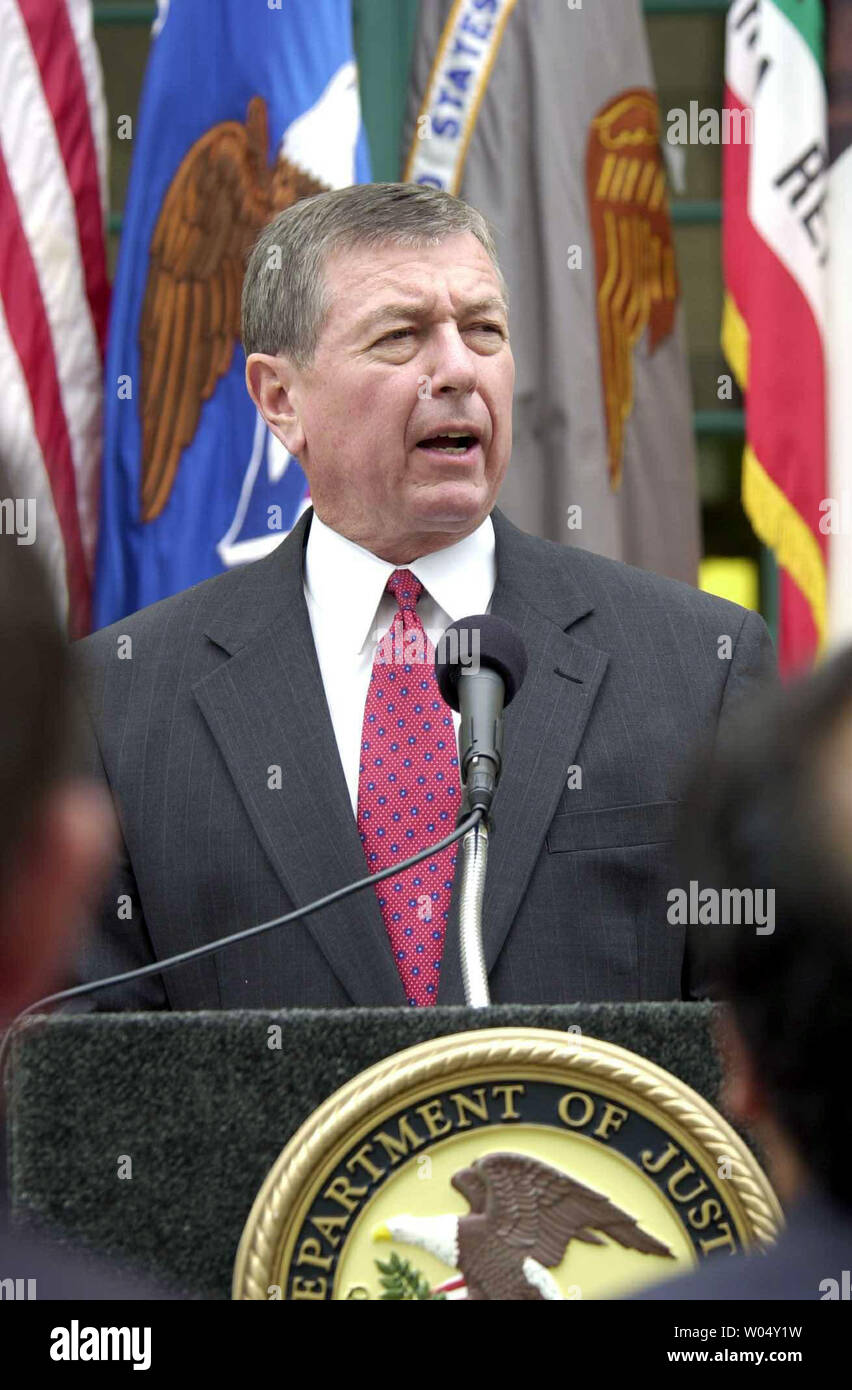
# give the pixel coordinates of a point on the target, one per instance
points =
(454, 442)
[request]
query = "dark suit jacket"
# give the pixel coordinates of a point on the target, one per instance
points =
(222, 683)
(814, 1248)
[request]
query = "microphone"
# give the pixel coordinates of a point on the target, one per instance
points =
(480, 664)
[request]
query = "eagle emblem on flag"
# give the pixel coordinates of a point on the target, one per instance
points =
(222, 195)
(636, 281)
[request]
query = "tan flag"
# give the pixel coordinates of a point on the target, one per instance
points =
(544, 116)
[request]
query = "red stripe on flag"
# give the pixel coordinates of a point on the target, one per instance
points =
(785, 397)
(797, 634)
(736, 227)
(786, 388)
(58, 59)
(30, 334)
(785, 414)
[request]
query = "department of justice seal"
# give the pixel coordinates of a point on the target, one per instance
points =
(511, 1163)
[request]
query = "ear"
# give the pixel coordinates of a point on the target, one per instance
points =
(742, 1094)
(51, 889)
(270, 382)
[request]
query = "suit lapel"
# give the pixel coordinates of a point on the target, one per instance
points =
(267, 711)
(542, 731)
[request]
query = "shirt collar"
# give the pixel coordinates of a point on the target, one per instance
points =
(345, 579)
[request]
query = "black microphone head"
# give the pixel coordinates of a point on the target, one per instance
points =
(480, 642)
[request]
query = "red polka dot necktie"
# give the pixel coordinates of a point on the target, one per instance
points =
(408, 792)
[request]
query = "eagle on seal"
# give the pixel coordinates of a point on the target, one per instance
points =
(523, 1215)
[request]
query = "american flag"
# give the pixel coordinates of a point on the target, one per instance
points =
(54, 293)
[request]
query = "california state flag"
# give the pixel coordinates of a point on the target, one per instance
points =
(839, 524)
(783, 331)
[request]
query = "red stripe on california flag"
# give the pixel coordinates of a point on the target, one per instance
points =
(30, 334)
(56, 53)
(785, 396)
(786, 420)
(786, 387)
(797, 634)
(736, 227)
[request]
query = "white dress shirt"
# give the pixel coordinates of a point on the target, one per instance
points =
(350, 613)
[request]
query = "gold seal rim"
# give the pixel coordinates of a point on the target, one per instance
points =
(360, 1100)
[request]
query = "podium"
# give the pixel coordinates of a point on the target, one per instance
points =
(147, 1136)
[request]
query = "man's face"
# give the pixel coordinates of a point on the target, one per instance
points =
(415, 344)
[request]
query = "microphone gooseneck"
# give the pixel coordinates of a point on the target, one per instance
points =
(480, 664)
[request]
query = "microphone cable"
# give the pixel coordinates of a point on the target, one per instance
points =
(159, 966)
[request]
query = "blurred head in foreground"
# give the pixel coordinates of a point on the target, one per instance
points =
(57, 839)
(774, 811)
(55, 831)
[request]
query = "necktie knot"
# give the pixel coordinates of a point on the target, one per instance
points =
(406, 588)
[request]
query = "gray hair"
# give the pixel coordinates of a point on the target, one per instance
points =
(285, 299)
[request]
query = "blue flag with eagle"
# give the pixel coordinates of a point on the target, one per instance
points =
(244, 110)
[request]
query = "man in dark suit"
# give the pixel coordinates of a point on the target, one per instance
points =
(240, 725)
(776, 811)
